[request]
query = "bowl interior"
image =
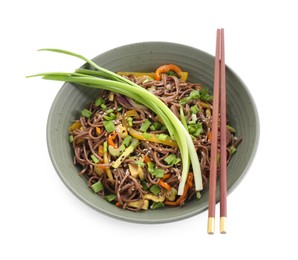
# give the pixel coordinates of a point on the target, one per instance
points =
(147, 56)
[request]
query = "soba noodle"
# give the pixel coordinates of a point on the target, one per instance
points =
(149, 176)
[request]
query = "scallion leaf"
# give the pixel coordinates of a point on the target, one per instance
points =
(109, 126)
(94, 158)
(155, 189)
(97, 187)
(146, 124)
(86, 113)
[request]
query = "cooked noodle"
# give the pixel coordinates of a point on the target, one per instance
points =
(127, 189)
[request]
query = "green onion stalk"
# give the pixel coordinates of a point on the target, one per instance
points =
(104, 79)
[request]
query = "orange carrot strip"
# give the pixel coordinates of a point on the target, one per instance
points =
(164, 184)
(111, 139)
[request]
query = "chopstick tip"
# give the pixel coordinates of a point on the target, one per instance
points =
(223, 225)
(211, 224)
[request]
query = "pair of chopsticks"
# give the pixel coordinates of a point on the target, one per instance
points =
(219, 102)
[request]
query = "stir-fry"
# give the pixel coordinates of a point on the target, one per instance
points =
(126, 152)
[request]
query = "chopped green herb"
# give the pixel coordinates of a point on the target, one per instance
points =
(195, 129)
(172, 73)
(94, 158)
(194, 109)
(201, 94)
(204, 95)
(103, 106)
(99, 101)
(129, 121)
(155, 126)
(156, 205)
(127, 140)
(110, 111)
(97, 187)
(86, 113)
(109, 126)
(170, 158)
(111, 116)
(158, 172)
(144, 185)
(110, 197)
(146, 124)
(150, 167)
(155, 189)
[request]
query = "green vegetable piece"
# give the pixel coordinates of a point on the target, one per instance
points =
(232, 149)
(145, 186)
(150, 167)
(86, 113)
(155, 126)
(159, 173)
(97, 187)
(129, 121)
(115, 152)
(71, 138)
(146, 124)
(103, 106)
(155, 189)
(110, 111)
(99, 101)
(195, 129)
(127, 140)
(157, 205)
(204, 95)
(109, 126)
(162, 137)
(170, 158)
(94, 158)
(111, 116)
(194, 109)
(110, 197)
(126, 153)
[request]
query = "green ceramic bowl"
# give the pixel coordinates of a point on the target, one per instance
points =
(147, 56)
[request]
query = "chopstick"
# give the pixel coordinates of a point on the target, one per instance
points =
(219, 96)
(223, 140)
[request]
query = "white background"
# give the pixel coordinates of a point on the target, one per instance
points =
(41, 219)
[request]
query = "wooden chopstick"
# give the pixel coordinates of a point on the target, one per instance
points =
(219, 94)
(223, 140)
